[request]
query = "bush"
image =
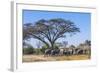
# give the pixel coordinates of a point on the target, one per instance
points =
(38, 51)
(28, 50)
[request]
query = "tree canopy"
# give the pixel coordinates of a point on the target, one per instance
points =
(49, 31)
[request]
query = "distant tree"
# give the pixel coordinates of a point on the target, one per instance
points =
(65, 43)
(87, 42)
(71, 46)
(28, 50)
(49, 31)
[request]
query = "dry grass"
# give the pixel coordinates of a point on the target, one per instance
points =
(37, 58)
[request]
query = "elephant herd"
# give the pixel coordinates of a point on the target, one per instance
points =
(67, 52)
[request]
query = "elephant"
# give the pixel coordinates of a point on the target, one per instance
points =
(52, 52)
(68, 52)
(55, 52)
(65, 52)
(80, 51)
(47, 52)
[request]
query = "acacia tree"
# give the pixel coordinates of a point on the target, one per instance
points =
(49, 31)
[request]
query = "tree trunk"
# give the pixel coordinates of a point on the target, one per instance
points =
(52, 45)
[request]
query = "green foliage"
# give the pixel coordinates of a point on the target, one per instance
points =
(56, 46)
(44, 48)
(28, 50)
(38, 51)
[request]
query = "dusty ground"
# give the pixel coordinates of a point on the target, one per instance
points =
(36, 58)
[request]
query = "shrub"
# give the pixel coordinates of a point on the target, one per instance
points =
(38, 51)
(29, 50)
